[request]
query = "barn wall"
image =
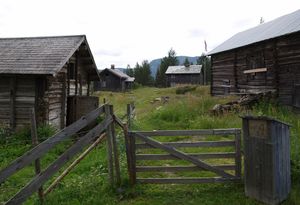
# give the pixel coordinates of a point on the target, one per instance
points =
(17, 98)
(112, 82)
(288, 52)
(179, 79)
(280, 56)
(223, 76)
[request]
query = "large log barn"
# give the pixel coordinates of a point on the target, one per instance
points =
(261, 59)
(51, 74)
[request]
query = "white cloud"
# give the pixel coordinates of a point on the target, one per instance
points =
(123, 32)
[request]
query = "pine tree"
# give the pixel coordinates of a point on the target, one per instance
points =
(186, 62)
(170, 60)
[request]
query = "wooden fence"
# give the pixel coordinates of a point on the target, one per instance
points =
(92, 137)
(137, 141)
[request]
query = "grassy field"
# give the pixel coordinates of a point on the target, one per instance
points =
(87, 183)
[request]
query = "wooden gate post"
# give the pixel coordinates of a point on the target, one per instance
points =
(238, 164)
(130, 156)
(109, 147)
(129, 116)
(115, 148)
(35, 142)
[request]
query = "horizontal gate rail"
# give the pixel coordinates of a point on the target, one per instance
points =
(185, 180)
(169, 133)
(183, 156)
(197, 155)
(146, 140)
(190, 144)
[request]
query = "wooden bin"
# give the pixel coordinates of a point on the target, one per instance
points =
(266, 159)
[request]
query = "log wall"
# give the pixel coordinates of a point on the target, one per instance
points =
(280, 56)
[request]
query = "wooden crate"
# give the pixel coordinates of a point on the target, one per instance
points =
(267, 159)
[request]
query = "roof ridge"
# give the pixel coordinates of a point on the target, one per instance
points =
(40, 37)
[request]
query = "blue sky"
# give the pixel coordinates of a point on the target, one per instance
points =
(124, 32)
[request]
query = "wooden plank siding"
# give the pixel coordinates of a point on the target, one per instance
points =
(281, 58)
(48, 94)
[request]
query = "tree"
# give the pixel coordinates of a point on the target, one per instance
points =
(129, 71)
(186, 62)
(170, 60)
(142, 73)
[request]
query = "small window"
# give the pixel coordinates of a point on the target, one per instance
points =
(71, 71)
(172, 76)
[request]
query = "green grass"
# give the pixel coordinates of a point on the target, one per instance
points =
(88, 183)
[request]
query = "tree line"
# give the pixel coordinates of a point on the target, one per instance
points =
(142, 72)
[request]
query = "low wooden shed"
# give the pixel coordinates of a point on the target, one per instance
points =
(184, 75)
(48, 74)
(112, 79)
(261, 59)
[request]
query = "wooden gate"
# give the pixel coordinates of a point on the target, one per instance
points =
(194, 148)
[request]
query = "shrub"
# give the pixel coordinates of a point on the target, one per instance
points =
(185, 89)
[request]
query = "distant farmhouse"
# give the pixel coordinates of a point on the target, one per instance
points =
(180, 75)
(51, 74)
(112, 79)
(264, 58)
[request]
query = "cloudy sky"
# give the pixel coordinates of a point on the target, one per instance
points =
(124, 32)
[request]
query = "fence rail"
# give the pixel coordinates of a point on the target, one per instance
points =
(138, 141)
(91, 138)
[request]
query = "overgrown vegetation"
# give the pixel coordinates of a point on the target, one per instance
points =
(87, 183)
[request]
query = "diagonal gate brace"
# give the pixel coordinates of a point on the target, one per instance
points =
(182, 155)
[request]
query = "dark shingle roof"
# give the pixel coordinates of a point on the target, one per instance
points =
(284, 25)
(37, 55)
(120, 74)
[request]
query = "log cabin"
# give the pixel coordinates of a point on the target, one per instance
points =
(53, 75)
(112, 79)
(184, 75)
(261, 59)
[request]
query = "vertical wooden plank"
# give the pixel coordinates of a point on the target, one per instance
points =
(128, 155)
(63, 103)
(88, 85)
(129, 116)
(133, 157)
(115, 149)
(12, 88)
(238, 166)
(109, 148)
(80, 85)
(76, 73)
(68, 80)
(35, 142)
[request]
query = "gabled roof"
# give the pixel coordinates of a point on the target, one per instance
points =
(181, 69)
(284, 25)
(39, 55)
(119, 74)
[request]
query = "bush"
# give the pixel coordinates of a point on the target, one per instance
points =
(185, 89)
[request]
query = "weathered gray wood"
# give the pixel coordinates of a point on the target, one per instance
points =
(129, 156)
(44, 147)
(133, 157)
(74, 163)
(37, 163)
(183, 156)
(238, 158)
(110, 157)
(191, 144)
(12, 87)
(39, 180)
(231, 131)
(115, 148)
(179, 168)
(184, 180)
(197, 155)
